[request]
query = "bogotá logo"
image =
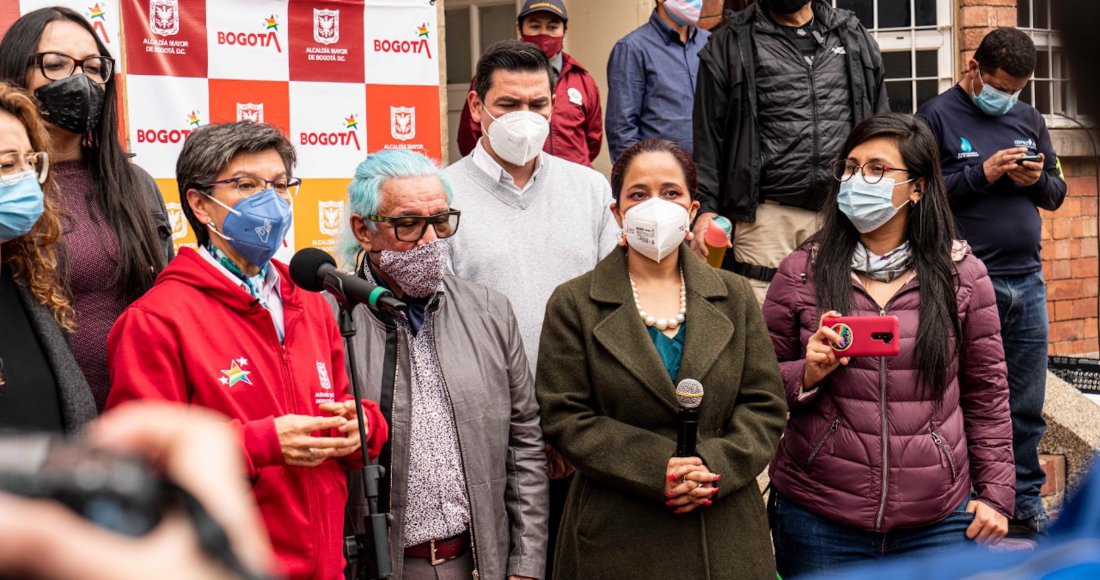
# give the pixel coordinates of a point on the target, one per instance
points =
(345, 138)
(177, 220)
(250, 112)
(170, 136)
(419, 45)
(326, 26)
(265, 39)
(98, 17)
(403, 123)
(330, 216)
(164, 17)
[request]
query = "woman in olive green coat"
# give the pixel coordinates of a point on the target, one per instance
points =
(612, 341)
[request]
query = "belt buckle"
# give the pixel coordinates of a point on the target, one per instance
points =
(434, 561)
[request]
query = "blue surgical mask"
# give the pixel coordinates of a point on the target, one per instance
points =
(256, 226)
(21, 204)
(995, 102)
(868, 205)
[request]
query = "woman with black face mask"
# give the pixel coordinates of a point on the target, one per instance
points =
(116, 232)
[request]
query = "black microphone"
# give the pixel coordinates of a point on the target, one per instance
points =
(315, 270)
(689, 393)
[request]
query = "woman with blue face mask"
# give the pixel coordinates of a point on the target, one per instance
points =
(41, 386)
(225, 328)
(888, 455)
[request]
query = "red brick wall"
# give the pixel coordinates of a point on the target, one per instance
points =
(1070, 262)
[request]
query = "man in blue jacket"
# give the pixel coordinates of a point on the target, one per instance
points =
(1000, 165)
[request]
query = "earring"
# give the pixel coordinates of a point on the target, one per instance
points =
(913, 203)
(622, 241)
(690, 235)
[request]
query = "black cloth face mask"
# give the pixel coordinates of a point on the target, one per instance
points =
(784, 6)
(74, 104)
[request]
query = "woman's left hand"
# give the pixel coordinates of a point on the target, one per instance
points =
(989, 526)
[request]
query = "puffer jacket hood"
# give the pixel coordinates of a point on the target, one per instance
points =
(869, 448)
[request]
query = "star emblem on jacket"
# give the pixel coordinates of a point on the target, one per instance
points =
(235, 373)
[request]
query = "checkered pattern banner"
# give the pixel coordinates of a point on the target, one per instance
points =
(339, 77)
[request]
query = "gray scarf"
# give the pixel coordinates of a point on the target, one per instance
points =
(884, 268)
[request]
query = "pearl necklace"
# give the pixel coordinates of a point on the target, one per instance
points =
(662, 324)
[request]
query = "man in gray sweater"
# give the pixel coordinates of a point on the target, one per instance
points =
(530, 221)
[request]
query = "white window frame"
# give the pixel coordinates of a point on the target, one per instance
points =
(940, 38)
(1047, 40)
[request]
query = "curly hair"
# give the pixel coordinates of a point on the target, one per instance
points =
(1008, 49)
(33, 257)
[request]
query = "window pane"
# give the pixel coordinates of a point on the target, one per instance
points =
(862, 8)
(897, 65)
(1025, 96)
(926, 90)
(1041, 14)
(927, 63)
(901, 96)
(497, 23)
(1042, 97)
(459, 68)
(1042, 64)
(894, 14)
(926, 12)
(1023, 14)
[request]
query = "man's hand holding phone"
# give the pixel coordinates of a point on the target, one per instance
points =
(1028, 170)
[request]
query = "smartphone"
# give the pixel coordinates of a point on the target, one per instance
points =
(866, 335)
(1034, 158)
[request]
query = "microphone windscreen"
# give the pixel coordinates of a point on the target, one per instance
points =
(304, 266)
(689, 393)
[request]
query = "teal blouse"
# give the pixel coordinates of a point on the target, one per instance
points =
(671, 350)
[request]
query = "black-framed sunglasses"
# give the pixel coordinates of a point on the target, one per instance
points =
(873, 171)
(249, 185)
(57, 66)
(413, 228)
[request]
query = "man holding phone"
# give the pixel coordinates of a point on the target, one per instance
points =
(999, 166)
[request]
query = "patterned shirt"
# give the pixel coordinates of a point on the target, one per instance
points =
(437, 504)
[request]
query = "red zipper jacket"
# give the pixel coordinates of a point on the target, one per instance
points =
(576, 122)
(197, 338)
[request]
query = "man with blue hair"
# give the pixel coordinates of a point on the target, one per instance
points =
(467, 484)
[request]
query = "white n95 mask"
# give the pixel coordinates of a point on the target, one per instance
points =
(518, 136)
(656, 227)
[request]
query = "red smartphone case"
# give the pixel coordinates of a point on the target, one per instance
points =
(866, 335)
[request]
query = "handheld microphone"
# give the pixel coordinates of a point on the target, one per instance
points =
(689, 393)
(315, 270)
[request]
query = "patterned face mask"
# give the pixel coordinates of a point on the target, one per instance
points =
(419, 271)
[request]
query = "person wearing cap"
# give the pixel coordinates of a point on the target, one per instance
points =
(576, 123)
(651, 78)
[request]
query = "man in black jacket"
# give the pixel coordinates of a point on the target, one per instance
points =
(780, 86)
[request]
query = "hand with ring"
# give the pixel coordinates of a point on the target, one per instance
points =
(689, 484)
(300, 447)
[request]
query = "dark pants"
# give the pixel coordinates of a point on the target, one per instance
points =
(559, 490)
(1022, 305)
(806, 543)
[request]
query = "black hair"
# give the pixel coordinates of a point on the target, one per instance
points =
(510, 55)
(622, 164)
(930, 231)
(1008, 49)
(117, 189)
(207, 150)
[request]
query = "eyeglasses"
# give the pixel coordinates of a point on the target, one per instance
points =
(57, 66)
(248, 185)
(873, 171)
(412, 228)
(13, 164)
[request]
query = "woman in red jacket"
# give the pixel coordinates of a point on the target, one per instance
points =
(884, 455)
(225, 328)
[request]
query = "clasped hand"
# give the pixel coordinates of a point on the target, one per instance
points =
(689, 484)
(302, 449)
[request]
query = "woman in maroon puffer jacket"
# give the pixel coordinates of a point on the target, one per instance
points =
(888, 455)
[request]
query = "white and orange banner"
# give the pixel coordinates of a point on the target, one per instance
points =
(339, 77)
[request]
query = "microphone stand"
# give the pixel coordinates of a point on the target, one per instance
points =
(377, 520)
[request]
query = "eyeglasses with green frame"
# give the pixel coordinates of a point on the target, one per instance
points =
(249, 185)
(413, 228)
